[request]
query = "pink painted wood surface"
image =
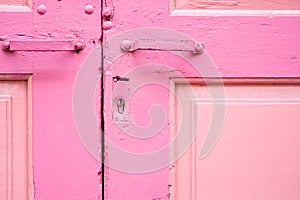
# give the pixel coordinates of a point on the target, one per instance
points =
(257, 154)
(16, 154)
(63, 169)
(237, 5)
(240, 46)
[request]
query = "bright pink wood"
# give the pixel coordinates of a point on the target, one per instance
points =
(63, 169)
(240, 47)
(238, 5)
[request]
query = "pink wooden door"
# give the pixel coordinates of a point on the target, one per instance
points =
(252, 151)
(56, 47)
(43, 44)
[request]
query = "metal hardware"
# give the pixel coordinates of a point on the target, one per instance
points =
(121, 102)
(118, 78)
(199, 48)
(107, 13)
(127, 45)
(89, 9)
(162, 45)
(41, 9)
(79, 45)
(6, 46)
(43, 45)
(107, 25)
(121, 105)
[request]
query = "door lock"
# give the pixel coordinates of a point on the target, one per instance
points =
(121, 105)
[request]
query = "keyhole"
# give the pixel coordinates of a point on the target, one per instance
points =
(121, 105)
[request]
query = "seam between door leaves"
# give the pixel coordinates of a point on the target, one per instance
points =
(102, 108)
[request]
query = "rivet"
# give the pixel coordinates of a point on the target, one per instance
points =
(107, 25)
(89, 9)
(41, 9)
(199, 48)
(107, 13)
(79, 45)
(126, 45)
(6, 45)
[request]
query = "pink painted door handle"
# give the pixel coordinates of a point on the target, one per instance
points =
(162, 45)
(43, 45)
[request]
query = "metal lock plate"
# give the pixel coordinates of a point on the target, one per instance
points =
(121, 101)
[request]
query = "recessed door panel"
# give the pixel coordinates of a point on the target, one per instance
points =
(15, 141)
(257, 154)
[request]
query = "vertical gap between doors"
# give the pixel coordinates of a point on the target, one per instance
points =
(102, 109)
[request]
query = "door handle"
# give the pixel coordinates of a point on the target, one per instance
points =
(43, 45)
(162, 45)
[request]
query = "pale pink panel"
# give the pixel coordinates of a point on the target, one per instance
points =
(15, 153)
(238, 5)
(3, 150)
(13, 2)
(257, 156)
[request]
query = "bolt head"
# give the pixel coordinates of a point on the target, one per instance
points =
(199, 48)
(6, 45)
(107, 13)
(41, 9)
(107, 25)
(79, 45)
(89, 9)
(126, 45)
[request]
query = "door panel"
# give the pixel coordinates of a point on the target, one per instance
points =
(233, 5)
(239, 44)
(256, 156)
(5, 134)
(63, 168)
(16, 145)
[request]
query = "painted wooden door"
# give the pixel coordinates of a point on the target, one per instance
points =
(246, 40)
(55, 45)
(44, 43)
